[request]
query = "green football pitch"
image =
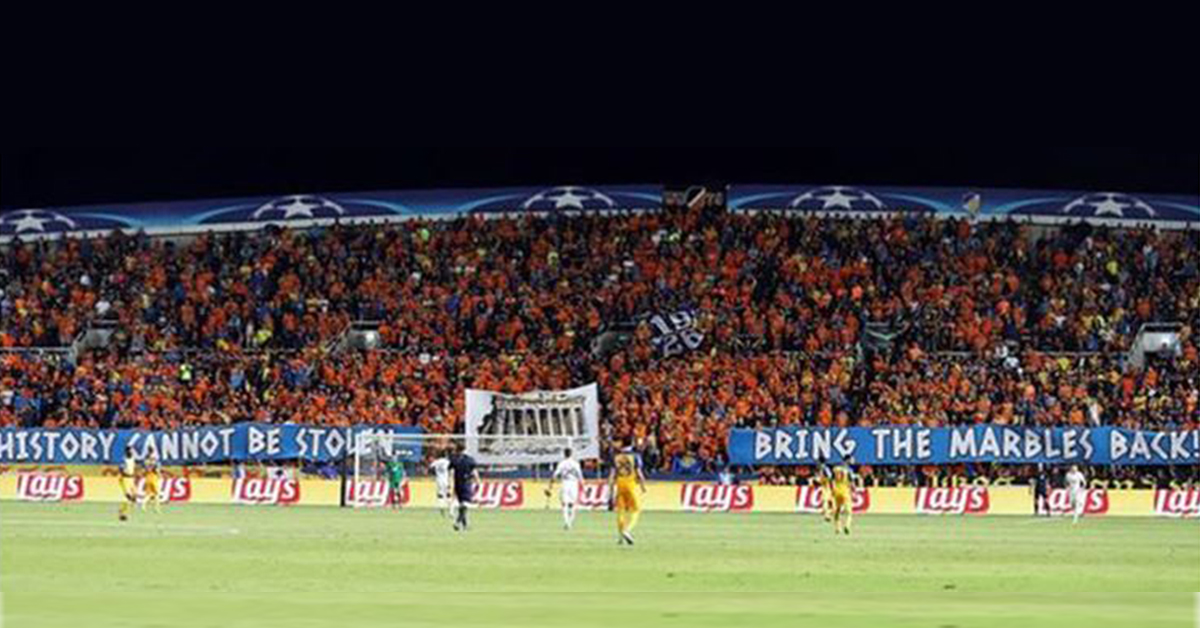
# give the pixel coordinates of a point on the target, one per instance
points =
(225, 566)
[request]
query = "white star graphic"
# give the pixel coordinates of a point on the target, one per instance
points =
(1110, 207)
(29, 223)
(297, 207)
(569, 199)
(836, 199)
(568, 196)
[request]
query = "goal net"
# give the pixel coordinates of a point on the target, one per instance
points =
(383, 463)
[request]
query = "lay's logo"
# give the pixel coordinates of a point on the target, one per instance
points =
(811, 498)
(374, 493)
(717, 497)
(176, 490)
(956, 500)
(1095, 502)
(266, 491)
(498, 495)
(1177, 502)
(46, 487)
(594, 495)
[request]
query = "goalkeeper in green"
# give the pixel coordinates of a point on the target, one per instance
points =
(395, 478)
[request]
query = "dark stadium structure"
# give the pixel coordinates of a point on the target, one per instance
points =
(695, 312)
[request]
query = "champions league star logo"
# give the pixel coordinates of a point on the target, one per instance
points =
(1109, 205)
(569, 197)
(35, 221)
(837, 197)
(298, 206)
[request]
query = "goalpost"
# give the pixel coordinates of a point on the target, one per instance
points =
(375, 454)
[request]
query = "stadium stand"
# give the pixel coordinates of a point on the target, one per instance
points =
(805, 320)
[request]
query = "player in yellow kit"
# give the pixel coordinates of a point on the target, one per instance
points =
(150, 481)
(128, 480)
(625, 477)
(825, 482)
(843, 498)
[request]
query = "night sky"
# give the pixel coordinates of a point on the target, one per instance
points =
(59, 177)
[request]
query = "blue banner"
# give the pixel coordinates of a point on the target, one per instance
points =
(302, 210)
(907, 445)
(241, 442)
(1042, 206)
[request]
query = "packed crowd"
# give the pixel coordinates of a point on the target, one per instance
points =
(536, 284)
(152, 391)
(226, 328)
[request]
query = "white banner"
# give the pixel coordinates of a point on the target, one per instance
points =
(533, 427)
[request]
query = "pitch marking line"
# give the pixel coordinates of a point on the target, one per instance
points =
(117, 524)
(1041, 520)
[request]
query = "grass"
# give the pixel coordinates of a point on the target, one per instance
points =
(75, 565)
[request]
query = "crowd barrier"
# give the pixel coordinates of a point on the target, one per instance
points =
(660, 496)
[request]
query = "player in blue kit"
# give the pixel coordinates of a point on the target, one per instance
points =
(466, 476)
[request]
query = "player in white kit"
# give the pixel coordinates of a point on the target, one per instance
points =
(441, 477)
(570, 474)
(1076, 487)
